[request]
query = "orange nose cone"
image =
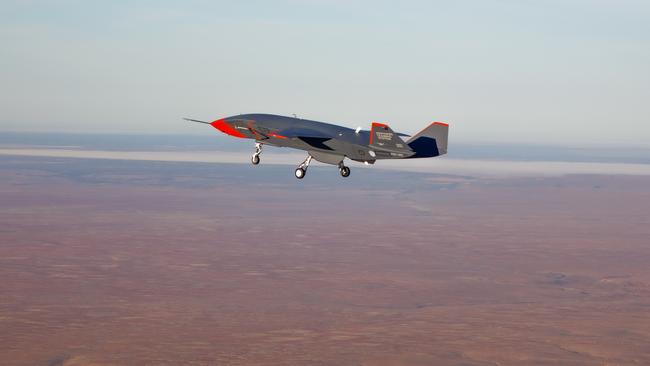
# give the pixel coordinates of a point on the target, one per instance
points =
(226, 128)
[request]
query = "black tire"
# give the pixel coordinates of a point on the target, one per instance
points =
(345, 171)
(255, 159)
(300, 173)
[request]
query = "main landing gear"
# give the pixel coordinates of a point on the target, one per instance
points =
(302, 168)
(301, 171)
(255, 159)
(344, 170)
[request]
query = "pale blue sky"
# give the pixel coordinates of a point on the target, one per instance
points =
(562, 72)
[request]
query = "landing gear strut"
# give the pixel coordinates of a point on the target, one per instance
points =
(255, 159)
(302, 168)
(344, 170)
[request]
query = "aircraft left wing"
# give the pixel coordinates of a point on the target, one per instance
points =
(302, 132)
(311, 137)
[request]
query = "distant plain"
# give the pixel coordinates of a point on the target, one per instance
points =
(114, 262)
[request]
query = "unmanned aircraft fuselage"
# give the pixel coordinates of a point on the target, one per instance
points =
(331, 144)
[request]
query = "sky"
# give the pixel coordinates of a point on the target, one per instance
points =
(571, 72)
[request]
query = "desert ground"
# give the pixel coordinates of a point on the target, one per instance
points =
(111, 262)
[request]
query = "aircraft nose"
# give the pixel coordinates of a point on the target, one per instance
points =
(226, 127)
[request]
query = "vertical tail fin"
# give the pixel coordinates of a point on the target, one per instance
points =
(430, 142)
(384, 138)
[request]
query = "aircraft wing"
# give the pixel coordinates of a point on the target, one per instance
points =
(311, 137)
(300, 133)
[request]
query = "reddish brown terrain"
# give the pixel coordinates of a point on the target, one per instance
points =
(144, 263)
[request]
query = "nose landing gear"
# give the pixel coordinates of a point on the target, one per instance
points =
(255, 159)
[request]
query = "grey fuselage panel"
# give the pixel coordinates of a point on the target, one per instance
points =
(327, 139)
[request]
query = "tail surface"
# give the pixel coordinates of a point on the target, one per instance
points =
(430, 142)
(383, 138)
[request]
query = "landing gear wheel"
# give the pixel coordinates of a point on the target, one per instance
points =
(300, 173)
(302, 168)
(345, 171)
(255, 159)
